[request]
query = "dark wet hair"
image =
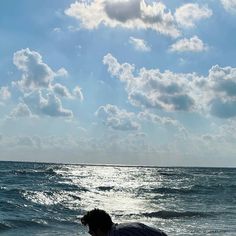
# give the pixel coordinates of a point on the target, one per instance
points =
(97, 219)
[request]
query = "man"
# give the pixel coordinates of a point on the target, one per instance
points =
(100, 224)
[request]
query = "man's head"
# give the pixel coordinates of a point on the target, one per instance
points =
(98, 221)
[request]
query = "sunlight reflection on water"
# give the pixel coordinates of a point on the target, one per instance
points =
(179, 201)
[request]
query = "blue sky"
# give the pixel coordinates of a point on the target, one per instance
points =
(123, 81)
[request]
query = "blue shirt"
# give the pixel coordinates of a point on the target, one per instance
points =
(134, 229)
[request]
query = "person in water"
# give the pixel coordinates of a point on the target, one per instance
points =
(100, 224)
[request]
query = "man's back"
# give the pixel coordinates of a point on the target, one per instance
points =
(134, 229)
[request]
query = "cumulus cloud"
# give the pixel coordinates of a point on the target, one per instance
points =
(223, 109)
(132, 14)
(37, 83)
(193, 44)
(153, 89)
(139, 44)
(4, 93)
(117, 119)
(222, 83)
(49, 104)
(229, 5)
(189, 14)
(123, 71)
(168, 91)
(61, 90)
(35, 73)
(223, 80)
(21, 110)
(53, 107)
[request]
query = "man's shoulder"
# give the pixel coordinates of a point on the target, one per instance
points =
(135, 228)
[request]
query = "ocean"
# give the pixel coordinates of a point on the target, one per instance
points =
(49, 199)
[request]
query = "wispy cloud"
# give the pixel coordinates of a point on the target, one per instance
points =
(77, 92)
(139, 44)
(146, 115)
(5, 94)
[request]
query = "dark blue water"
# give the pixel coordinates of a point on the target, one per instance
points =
(49, 199)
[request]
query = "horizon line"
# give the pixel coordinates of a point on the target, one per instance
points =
(116, 165)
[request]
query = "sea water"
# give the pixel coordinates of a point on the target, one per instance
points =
(49, 199)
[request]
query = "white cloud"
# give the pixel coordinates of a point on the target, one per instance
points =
(166, 121)
(37, 84)
(193, 44)
(222, 91)
(139, 44)
(132, 14)
(123, 71)
(62, 72)
(189, 14)
(146, 115)
(4, 93)
(35, 73)
(78, 93)
(57, 30)
(229, 5)
(61, 90)
(21, 110)
(53, 107)
(49, 104)
(153, 89)
(168, 91)
(117, 119)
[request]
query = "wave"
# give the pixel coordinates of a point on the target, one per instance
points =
(177, 214)
(68, 186)
(12, 193)
(4, 227)
(164, 190)
(175, 174)
(105, 188)
(214, 189)
(10, 205)
(195, 189)
(12, 224)
(39, 172)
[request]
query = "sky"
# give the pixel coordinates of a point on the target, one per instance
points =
(131, 82)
